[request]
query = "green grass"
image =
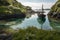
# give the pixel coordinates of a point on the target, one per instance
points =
(12, 4)
(2, 9)
(32, 33)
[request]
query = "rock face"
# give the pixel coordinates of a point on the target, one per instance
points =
(11, 9)
(55, 10)
(5, 36)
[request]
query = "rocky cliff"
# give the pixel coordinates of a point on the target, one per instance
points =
(55, 10)
(11, 9)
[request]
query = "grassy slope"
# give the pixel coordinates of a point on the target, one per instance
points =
(9, 6)
(56, 7)
(55, 10)
(32, 33)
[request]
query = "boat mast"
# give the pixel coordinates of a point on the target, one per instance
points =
(42, 9)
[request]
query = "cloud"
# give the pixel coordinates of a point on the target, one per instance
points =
(36, 1)
(38, 5)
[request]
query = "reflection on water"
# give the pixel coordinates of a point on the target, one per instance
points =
(55, 24)
(2, 27)
(5, 24)
(32, 21)
(41, 20)
(15, 22)
(35, 21)
(42, 23)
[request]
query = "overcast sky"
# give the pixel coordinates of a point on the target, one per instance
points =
(36, 4)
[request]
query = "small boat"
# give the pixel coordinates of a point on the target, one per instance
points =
(41, 14)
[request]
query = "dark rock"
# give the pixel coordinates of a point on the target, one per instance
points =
(6, 37)
(4, 2)
(10, 16)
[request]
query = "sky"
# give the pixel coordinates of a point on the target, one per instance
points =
(37, 4)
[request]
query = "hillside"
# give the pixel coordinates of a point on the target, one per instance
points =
(55, 10)
(33, 33)
(11, 8)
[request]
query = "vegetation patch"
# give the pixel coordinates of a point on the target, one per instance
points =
(32, 33)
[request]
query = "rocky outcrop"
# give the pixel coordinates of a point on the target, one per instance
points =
(11, 9)
(5, 36)
(55, 10)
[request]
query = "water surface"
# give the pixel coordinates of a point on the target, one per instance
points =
(45, 23)
(34, 21)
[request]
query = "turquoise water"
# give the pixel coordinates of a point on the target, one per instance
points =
(33, 21)
(45, 23)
